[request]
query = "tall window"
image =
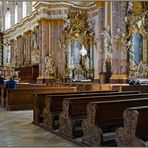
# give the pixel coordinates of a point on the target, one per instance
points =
(7, 19)
(33, 2)
(24, 9)
(16, 13)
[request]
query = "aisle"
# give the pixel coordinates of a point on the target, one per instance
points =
(16, 129)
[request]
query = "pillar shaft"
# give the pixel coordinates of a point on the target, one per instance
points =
(43, 43)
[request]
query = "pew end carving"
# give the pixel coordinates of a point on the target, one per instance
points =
(47, 116)
(126, 136)
(66, 125)
(92, 133)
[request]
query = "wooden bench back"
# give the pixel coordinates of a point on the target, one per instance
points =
(142, 120)
(40, 96)
(20, 98)
(106, 116)
(56, 100)
(135, 129)
(110, 112)
(77, 106)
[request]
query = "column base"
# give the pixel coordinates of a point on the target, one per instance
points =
(40, 80)
(119, 79)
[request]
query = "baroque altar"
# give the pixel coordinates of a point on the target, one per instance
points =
(78, 42)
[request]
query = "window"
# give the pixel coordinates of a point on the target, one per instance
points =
(16, 13)
(7, 19)
(33, 2)
(24, 9)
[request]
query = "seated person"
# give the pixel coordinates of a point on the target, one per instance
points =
(137, 82)
(11, 84)
(131, 82)
(1, 79)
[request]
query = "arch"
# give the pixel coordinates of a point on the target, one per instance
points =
(7, 19)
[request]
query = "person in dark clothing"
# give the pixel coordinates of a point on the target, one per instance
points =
(1, 79)
(131, 82)
(137, 82)
(11, 84)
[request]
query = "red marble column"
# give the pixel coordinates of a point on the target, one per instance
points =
(119, 49)
(19, 44)
(43, 44)
(28, 47)
(100, 44)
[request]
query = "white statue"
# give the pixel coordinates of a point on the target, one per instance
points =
(49, 64)
(104, 67)
(87, 61)
(107, 37)
(130, 6)
(46, 73)
(107, 42)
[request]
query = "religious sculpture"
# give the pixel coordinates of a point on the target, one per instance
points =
(49, 67)
(35, 50)
(35, 40)
(104, 67)
(107, 42)
(87, 61)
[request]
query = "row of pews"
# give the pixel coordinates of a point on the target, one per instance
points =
(101, 118)
(22, 97)
(89, 118)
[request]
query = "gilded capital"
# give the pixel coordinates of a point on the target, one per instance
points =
(100, 4)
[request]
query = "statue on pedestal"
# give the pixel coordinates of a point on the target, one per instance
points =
(107, 42)
(86, 62)
(49, 67)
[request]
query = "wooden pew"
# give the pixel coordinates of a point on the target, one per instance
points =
(74, 111)
(141, 88)
(105, 115)
(2, 87)
(135, 130)
(53, 106)
(42, 103)
(22, 98)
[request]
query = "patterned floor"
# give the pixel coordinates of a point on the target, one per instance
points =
(17, 130)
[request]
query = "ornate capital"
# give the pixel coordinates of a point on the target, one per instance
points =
(100, 4)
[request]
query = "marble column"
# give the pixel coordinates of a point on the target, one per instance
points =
(119, 49)
(100, 44)
(28, 47)
(19, 45)
(96, 51)
(43, 44)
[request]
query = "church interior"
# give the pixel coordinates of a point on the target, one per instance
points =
(73, 73)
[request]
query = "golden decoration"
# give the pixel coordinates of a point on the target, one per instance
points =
(100, 4)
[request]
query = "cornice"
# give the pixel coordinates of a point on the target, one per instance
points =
(47, 10)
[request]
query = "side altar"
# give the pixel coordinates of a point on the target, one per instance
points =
(78, 45)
